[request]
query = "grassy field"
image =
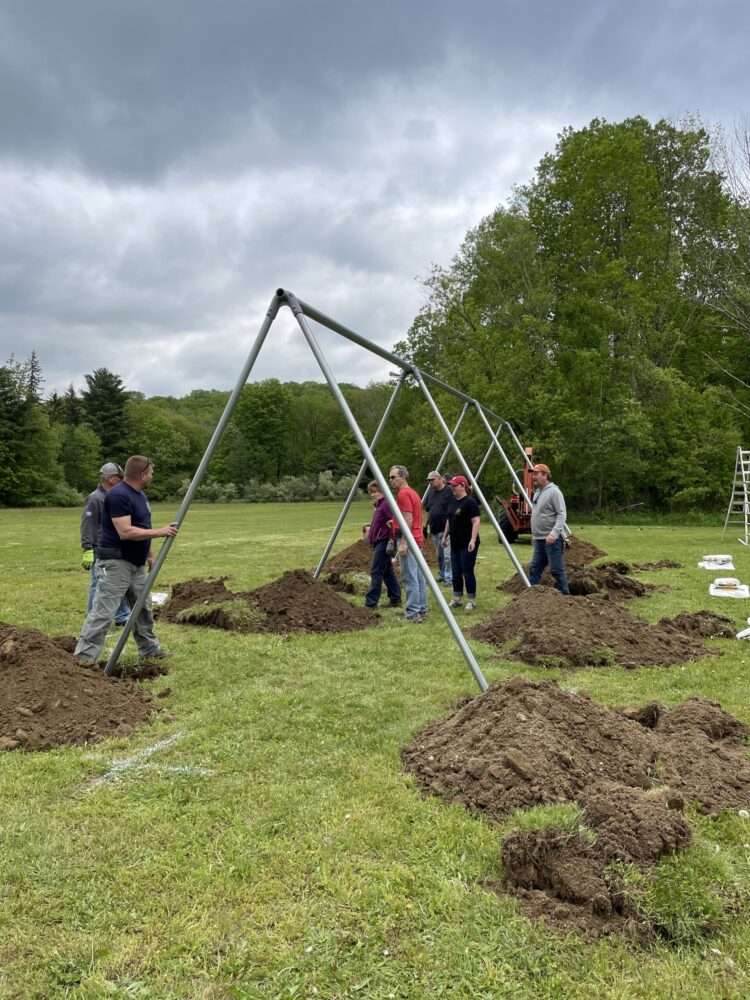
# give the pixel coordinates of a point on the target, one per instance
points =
(275, 849)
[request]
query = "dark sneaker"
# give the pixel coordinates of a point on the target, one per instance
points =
(121, 624)
(412, 619)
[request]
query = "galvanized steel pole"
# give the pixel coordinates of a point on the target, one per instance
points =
(447, 447)
(464, 465)
(299, 315)
(195, 483)
(355, 484)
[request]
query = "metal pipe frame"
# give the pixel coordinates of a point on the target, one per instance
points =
(195, 482)
(315, 314)
(494, 441)
(448, 447)
(464, 465)
(480, 470)
(358, 478)
(300, 316)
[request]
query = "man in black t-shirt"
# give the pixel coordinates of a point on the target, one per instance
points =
(463, 526)
(439, 505)
(122, 553)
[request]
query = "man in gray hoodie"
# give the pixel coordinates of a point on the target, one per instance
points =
(548, 517)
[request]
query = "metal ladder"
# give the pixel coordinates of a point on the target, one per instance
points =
(739, 505)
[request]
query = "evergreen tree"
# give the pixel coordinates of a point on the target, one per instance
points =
(29, 472)
(105, 410)
(33, 378)
(71, 408)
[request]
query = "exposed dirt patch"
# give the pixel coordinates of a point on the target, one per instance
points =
(609, 577)
(357, 558)
(338, 583)
(587, 580)
(605, 580)
(50, 699)
(525, 743)
(580, 553)
(293, 603)
(705, 624)
(553, 630)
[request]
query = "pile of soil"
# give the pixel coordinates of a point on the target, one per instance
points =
(357, 558)
(705, 624)
(50, 699)
(607, 578)
(662, 564)
(293, 603)
(587, 580)
(580, 553)
(631, 770)
(553, 630)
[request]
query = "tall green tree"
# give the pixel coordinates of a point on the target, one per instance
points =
(80, 449)
(29, 471)
(105, 410)
(255, 443)
(580, 313)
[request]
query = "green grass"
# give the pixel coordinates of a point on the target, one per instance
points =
(307, 864)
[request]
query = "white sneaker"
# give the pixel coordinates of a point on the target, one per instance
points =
(454, 603)
(470, 605)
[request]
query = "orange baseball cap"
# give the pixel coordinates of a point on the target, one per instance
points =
(540, 468)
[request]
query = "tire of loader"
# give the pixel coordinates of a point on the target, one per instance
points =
(506, 527)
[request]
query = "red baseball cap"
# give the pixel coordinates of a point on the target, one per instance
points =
(458, 481)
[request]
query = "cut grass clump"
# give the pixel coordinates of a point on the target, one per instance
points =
(235, 615)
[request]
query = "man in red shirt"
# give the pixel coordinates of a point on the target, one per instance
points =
(410, 505)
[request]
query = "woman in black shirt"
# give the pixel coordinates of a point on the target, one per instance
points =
(463, 527)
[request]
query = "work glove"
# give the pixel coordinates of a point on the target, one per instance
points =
(87, 560)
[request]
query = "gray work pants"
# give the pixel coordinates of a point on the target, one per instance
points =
(115, 579)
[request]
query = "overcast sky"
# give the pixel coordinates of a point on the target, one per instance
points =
(165, 165)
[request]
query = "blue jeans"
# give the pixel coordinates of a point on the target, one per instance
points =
(414, 584)
(462, 563)
(551, 555)
(443, 557)
(123, 612)
(381, 571)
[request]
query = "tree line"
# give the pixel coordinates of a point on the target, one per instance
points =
(604, 311)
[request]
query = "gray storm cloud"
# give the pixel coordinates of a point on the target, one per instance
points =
(163, 167)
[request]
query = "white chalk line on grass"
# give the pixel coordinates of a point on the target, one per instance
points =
(136, 763)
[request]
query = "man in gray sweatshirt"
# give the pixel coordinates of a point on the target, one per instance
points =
(548, 517)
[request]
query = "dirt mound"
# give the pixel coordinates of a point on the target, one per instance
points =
(583, 579)
(293, 603)
(297, 603)
(605, 580)
(357, 558)
(662, 564)
(705, 624)
(565, 876)
(50, 699)
(525, 743)
(580, 553)
(553, 630)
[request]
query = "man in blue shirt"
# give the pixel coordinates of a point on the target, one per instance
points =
(122, 553)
